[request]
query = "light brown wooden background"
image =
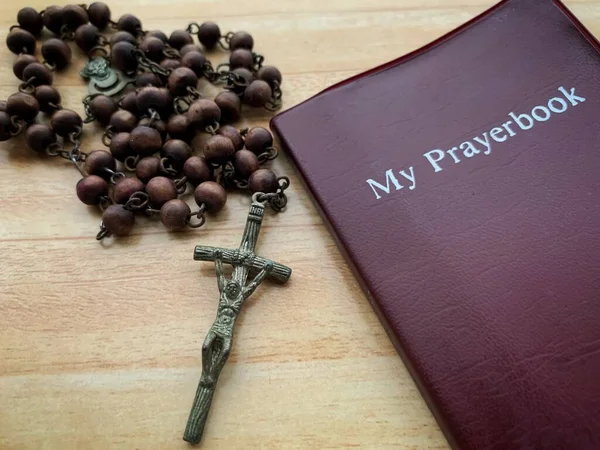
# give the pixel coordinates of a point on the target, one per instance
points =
(100, 344)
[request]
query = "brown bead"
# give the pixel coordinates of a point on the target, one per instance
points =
(209, 34)
(39, 137)
(203, 112)
(174, 214)
(263, 180)
(180, 79)
(129, 23)
(177, 151)
(158, 125)
(48, 98)
(161, 190)
(258, 93)
(233, 134)
(129, 103)
(91, 189)
(168, 110)
(189, 48)
(241, 58)
(241, 39)
(270, 74)
(153, 48)
(103, 107)
(5, 126)
(120, 148)
(170, 63)
(56, 52)
(122, 56)
(21, 63)
(65, 122)
(245, 164)
(258, 140)
(31, 20)
(125, 187)
(230, 105)
(86, 36)
(219, 149)
(244, 74)
(147, 168)
(212, 195)
(179, 38)
(74, 16)
(53, 18)
(148, 79)
(22, 105)
(158, 34)
(151, 97)
(197, 170)
(99, 14)
(118, 221)
(20, 41)
(179, 127)
(123, 120)
(145, 140)
(3, 104)
(99, 160)
(38, 73)
(194, 61)
(122, 36)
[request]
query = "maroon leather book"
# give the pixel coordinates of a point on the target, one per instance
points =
(462, 181)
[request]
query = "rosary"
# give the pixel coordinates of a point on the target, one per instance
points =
(142, 88)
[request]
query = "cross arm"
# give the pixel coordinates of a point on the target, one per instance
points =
(279, 272)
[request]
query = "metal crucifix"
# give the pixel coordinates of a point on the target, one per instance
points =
(233, 292)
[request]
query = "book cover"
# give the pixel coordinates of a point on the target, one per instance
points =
(462, 183)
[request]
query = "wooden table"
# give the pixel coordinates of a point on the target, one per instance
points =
(100, 344)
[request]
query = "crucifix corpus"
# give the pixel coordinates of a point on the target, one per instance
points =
(233, 292)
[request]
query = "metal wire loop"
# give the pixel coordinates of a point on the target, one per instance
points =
(130, 162)
(102, 233)
(137, 201)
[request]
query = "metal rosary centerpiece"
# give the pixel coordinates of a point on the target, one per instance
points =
(233, 293)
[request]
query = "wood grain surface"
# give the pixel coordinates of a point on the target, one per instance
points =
(100, 343)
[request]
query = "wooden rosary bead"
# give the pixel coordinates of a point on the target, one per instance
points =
(177, 151)
(38, 73)
(197, 170)
(145, 140)
(241, 58)
(47, 97)
(233, 134)
(56, 52)
(148, 79)
(65, 122)
(52, 17)
(212, 195)
(263, 180)
(168, 110)
(122, 56)
(103, 107)
(153, 48)
(245, 74)
(5, 126)
(179, 38)
(241, 39)
(170, 63)
(91, 189)
(174, 214)
(22, 105)
(20, 41)
(120, 148)
(86, 36)
(158, 34)
(122, 36)
(31, 20)
(258, 139)
(179, 127)
(74, 16)
(203, 112)
(245, 164)
(161, 190)
(195, 61)
(118, 221)
(129, 23)
(99, 160)
(258, 93)
(219, 149)
(99, 14)
(158, 125)
(125, 187)
(129, 103)
(180, 79)
(22, 61)
(39, 137)
(189, 48)
(147, 168)
(270, 74)
(209, 34)
(230, 106)
(123, 120)
(152, 97)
